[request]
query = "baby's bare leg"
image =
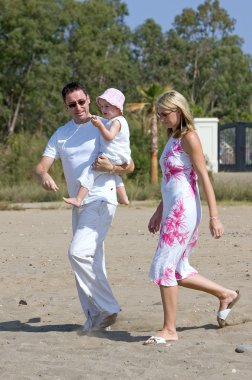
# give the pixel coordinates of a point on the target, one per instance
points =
(123, 197)
(77, 201)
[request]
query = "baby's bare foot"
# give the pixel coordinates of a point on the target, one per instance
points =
(73, 201)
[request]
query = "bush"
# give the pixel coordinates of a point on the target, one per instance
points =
(21, 152)
(18, 157)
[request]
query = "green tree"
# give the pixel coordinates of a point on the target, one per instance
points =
(32, 44)
(208, 61)
(149, 53)
(100, 46)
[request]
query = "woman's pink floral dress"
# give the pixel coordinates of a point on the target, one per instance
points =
(181, 217)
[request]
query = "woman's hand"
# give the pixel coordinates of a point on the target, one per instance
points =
(155, 220)
(216, 228)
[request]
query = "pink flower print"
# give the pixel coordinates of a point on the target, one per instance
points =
(194, 238)
(168, 239)
(191, 244)
(193, 273)
(170, 168)
(179, 209)
(167, 278)
(184, 255)
(179, 223)
(177, 147)
(169, 225)
(193, 181)
(182, 238)
(178, 275)
(167, 175)
(168, 154)
(174, 228)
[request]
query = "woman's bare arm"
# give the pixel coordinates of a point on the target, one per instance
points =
(192, 146)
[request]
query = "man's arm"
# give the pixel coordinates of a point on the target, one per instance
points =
(103, 164)
(44, 178)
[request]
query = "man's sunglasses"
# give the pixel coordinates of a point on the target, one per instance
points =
(81, 102)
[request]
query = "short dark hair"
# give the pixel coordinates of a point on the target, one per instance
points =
(71, 87)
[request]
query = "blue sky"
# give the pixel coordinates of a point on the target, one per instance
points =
(164, 12)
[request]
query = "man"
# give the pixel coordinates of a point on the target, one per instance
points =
(77, 145)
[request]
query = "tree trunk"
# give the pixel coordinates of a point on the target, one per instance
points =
(154, 150)
(13, 120)
(154, 167)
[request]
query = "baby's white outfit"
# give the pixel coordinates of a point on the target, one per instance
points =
(117, 151)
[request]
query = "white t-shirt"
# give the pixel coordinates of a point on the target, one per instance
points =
(78, 145)
(118, 149)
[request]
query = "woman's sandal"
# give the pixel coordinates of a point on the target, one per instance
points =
(155, 340)
(223, 314)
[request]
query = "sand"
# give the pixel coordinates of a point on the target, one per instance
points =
(41, 316)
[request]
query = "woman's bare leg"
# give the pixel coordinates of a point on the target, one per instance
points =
(169, 296)
(203, 284)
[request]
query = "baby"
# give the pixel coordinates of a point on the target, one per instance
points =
(114, 144)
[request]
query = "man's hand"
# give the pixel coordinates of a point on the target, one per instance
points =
(102, 164)
(48, 183)
(41, 173)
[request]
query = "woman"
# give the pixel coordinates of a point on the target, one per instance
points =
(178, 216)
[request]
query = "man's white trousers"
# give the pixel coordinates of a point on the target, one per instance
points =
(86, 254)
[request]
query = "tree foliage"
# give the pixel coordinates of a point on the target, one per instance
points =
(47, 43)
(33, 65)
(213, 71)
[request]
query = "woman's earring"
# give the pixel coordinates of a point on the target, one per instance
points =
(181, 123)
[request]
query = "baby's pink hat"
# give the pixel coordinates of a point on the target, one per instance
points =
(114, 97)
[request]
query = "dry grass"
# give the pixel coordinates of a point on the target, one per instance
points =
(229, 188)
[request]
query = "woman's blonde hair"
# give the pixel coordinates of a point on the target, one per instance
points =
(173, 100)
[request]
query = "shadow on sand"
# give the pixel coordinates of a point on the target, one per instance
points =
(124, 336)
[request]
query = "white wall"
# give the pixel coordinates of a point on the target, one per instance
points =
(207, 129)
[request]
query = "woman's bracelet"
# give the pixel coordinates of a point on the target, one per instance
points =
(213, 218)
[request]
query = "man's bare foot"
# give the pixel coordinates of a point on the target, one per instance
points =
(73, 201)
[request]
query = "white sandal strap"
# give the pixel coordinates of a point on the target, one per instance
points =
(223, 314)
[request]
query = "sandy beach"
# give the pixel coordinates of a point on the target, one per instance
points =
(41, 317)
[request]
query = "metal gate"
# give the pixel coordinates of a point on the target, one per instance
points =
(235, 147)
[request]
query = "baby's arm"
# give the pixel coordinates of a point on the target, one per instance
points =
(107, 134)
